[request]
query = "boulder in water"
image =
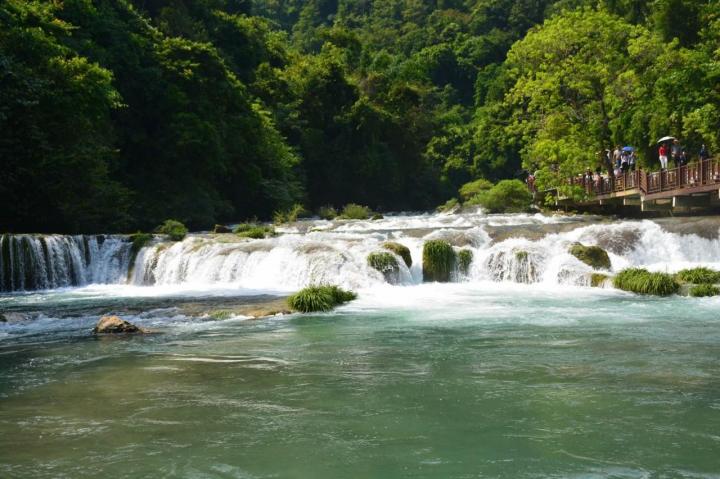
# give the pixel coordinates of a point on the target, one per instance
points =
(400, 250)
(386, 263)
(593, 256)
(115, 325)
(438, 261)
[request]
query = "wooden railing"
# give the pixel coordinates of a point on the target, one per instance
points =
(691, 176)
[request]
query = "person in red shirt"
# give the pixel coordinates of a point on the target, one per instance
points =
(662, 153)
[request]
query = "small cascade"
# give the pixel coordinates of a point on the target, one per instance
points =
(34, 262)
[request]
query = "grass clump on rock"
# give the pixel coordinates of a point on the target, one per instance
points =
(247, 230)
(174, 230)
(319, 298)
(290, 215)
(400, 250)
(386, 263)
(464, 260)
(597, 280)
(327, 212)
(641, 281)
(438, 261)
(704, 290)
(698, 276)
(593, 256)
(352, 211)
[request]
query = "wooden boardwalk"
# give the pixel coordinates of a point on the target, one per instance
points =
(692, 186)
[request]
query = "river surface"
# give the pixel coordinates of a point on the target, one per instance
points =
(516, 370)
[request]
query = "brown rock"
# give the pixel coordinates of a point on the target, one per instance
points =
(115, 325)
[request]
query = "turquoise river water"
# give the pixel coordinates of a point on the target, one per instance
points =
(472, 379)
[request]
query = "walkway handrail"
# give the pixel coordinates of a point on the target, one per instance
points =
(701, 173)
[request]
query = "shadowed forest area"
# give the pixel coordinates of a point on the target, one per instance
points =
(116, 115)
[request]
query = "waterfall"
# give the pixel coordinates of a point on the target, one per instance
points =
(32, 262)
(505, 248)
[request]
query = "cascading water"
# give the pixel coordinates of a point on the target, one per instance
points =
(505, 248)
(32, 262)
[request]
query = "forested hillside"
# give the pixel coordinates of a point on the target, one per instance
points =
(118, 114)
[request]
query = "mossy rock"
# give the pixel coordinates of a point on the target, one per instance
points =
(704, 290)
(438, 261)
(593, 256)
(641, 281)
(597, 280)
(400, 250)
(219, 229)
(386, 263)
(254, 231)
(464, 260)
(319, 298)
(698, 276)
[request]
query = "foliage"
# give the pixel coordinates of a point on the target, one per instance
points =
(327, 212)
(290, 215)
(400, 250)
(448, 206)
(474, 188)
(175, 230)
(438, 261)
(593, 256)
(641, 281)
(464, 260)
(254, 231)
(139, 241)
(508, 196)
(698, 276)
(352, 211)
(319, 298)
(704, 290)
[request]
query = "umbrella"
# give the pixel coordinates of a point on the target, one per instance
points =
(629, 149)
(666, 138)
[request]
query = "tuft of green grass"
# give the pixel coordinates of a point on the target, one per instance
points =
(256, 232)
(353, 211)
(464, 260)
(220, 315)
(704, 290)
(377, 216)
(698, 276)
(642, 281)
(319, 298)
(438, 261)
(174, 230)
(593, 256)
(400, 250)
(290, 215)
(327, 212)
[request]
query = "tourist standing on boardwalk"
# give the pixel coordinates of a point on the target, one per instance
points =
(704, 154)
(632, 160)
(662, 154)
(676, 152)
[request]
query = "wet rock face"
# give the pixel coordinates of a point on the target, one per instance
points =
(593, 256)
(115, 325)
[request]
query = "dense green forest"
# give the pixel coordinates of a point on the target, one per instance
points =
(118, 114)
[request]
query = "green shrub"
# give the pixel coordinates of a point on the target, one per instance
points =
(508, 196)
(174, 230)
(327, 212)
(474, 188)
(438, 261)
(597, 280)
(290, 215)
(355, 212)
(642, 281)
(464, 260)
(319, 298)
(257, 232)
(386, 264)
(593, 256)
(698, 276)
(139, 241)
(400, 250)
(242, 227)
(449, 205)
(704, 290)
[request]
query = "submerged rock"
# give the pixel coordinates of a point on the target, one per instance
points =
(593, 256)
(115, 325)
